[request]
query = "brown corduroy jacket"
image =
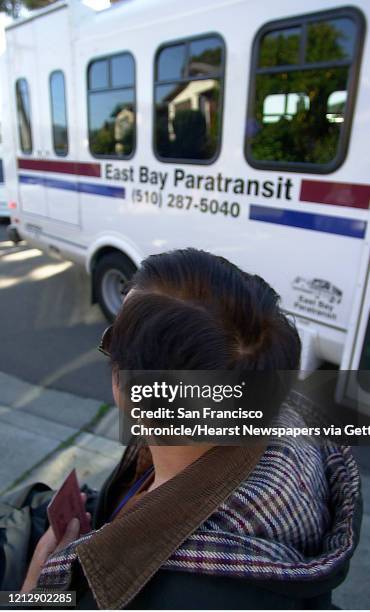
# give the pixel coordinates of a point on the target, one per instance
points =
(123, 564)
(119, 560)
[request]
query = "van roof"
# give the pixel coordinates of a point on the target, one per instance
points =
(128, 6)
(35, 14)
(75, 6)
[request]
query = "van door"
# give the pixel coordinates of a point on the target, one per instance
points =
(58, 143)
(22, 62)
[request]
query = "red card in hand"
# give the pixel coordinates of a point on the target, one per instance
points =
(66, 505)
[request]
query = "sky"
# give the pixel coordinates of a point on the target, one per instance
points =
(97, 5)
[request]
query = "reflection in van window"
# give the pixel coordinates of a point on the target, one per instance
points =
(280, 47)
(279, 106)
(171, 63)
(24, 115)
(98, 74)
(330, 40)
(59, 112)
(111, 106)
(297, 114)
(122, 67)
(188, 99)
(336, 106)
(205, 57)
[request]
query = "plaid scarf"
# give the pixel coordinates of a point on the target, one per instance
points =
(292, 519)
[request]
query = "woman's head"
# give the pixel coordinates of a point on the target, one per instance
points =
(191, 310)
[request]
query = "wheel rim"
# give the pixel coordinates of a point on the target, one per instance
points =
(112, 286)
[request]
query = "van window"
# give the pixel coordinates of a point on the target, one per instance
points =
(188, 93)
(24, 115)
(59, 112)
(111, 106)
(302, 89)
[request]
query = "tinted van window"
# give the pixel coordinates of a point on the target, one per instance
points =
(302, 88)
(188, 99)
(111, 106)
(24, 115)
(59, 112)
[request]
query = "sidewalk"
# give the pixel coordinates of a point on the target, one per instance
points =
(45, 433)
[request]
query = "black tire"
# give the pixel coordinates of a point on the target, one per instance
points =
(109, 269)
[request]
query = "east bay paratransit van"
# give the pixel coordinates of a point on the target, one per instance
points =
(237, 127)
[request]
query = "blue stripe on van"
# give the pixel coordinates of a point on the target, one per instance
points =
(93, 188)
(309, 221)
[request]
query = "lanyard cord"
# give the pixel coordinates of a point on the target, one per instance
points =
(135, 487)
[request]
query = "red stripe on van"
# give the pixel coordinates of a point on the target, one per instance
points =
(339, 194)
(64, 167)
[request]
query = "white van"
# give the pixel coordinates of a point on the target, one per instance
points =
(217, 124)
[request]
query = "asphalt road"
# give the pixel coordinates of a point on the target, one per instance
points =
(49, 329)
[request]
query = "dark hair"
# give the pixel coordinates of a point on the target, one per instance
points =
(193, 310)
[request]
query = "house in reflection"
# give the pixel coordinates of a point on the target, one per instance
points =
(123, 129)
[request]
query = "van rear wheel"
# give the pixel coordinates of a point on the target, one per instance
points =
(111, 274)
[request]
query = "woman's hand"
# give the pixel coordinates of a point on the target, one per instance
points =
(46, 546)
